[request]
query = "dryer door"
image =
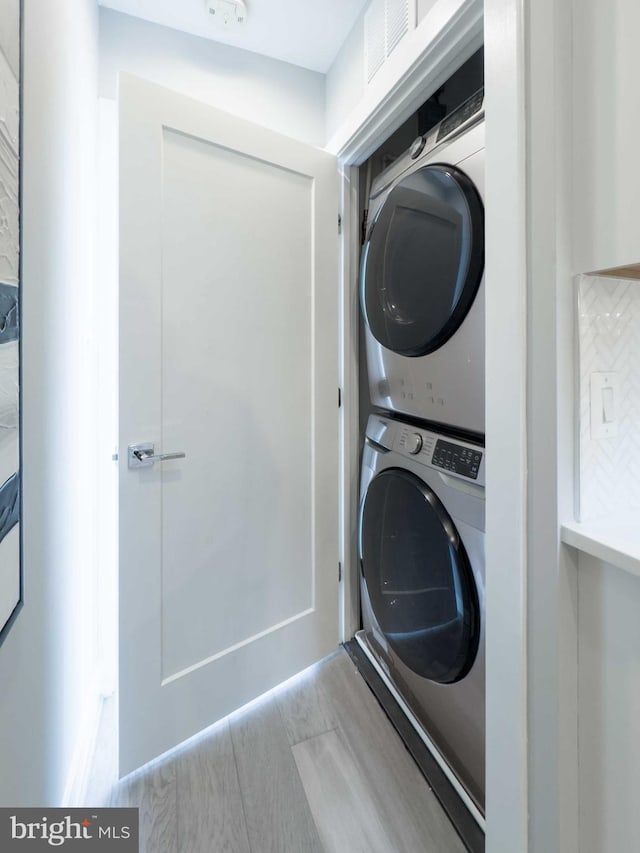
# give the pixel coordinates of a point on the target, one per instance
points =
(423, 260)
(418, 577)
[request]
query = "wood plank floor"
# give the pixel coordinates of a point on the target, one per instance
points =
(314, 767)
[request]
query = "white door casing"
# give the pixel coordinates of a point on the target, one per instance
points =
(228, 352)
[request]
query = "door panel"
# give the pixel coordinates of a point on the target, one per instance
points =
(228, 353)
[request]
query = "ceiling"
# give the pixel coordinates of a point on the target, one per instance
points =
(304, 32)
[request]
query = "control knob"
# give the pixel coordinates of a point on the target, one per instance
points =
(414, 443)
(417, 146)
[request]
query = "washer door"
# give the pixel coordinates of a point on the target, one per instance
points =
(418, 577)
(423, 260)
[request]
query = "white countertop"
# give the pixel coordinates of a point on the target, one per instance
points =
(614, 539)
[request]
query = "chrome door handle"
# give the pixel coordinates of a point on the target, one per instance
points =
(143, 456)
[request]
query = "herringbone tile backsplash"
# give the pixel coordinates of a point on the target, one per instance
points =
(609, 340)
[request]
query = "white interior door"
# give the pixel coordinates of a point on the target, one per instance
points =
(228, 353)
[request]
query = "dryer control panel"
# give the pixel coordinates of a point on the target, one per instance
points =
(462, 114)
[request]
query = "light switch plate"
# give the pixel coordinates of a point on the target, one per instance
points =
(604, 404)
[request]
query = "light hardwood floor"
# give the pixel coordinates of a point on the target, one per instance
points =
(314, 767)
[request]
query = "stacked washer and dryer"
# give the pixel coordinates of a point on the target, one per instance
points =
(422, 504)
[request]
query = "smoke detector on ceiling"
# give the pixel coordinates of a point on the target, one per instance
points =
(227, 13)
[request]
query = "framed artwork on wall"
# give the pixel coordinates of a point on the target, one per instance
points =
(11, 576)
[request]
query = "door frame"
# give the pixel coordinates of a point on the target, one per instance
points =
(503, 28)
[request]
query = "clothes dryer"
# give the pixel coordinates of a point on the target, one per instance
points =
(421, 545)
(422, 276)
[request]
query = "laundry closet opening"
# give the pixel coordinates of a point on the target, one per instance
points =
(421, 388)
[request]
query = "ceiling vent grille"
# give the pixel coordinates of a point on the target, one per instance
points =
(375, 38)
(397, 22)
(386, 22)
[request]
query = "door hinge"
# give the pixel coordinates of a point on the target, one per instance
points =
(339, 572)
(339, 397)
(339, 224)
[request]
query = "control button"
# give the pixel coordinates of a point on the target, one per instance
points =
(414, 443)
(417, 147)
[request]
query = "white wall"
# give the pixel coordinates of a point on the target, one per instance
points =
(423, 7)
(274, 94)
(606, 180)
(583, 643)
(345, 79)
(609, 650)
(583, 638)
(47, 660)
(607, 129)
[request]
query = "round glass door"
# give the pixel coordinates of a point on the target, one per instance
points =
(423, 260)
(418, 577)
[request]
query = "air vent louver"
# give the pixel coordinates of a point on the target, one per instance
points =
(375, 47)
(386, 22)
(397, 22)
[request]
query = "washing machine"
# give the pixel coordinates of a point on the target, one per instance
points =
(422, 276)
(421, 548)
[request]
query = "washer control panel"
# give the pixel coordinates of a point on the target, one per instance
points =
(451, 456)
(457, 458)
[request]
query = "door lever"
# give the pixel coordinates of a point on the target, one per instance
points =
(143, 456)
